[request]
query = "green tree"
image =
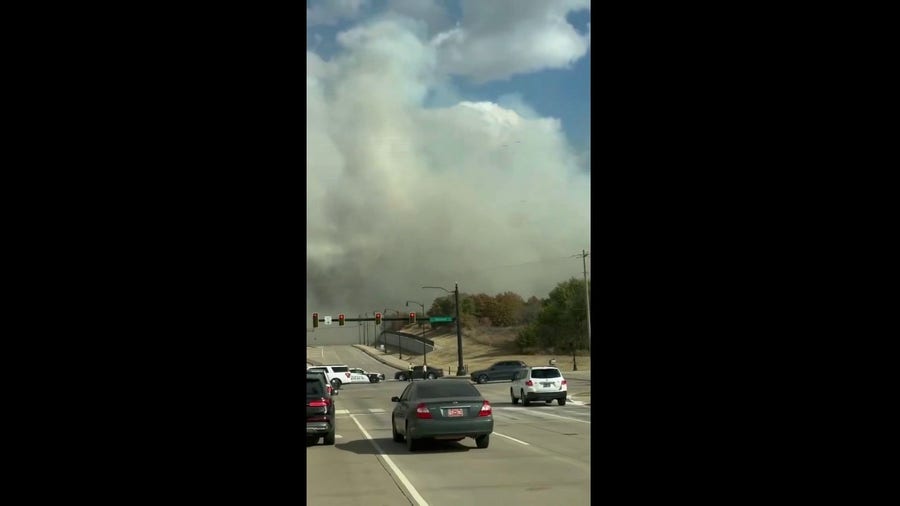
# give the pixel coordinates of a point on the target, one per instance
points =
(561, 324)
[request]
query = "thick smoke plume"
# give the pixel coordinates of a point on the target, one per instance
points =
(400, 195)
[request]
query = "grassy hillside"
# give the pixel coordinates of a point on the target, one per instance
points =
(482, 347)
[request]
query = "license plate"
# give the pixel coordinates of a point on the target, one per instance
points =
(454, 412)
(547, 384)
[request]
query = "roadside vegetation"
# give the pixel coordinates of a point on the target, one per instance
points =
(505, 326)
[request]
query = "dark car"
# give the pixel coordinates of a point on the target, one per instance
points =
(501, 371)
(319, 411)
(322, 375)
(445, 409)
(417, 373)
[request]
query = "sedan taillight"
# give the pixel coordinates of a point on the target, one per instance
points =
(319, 403)
(529, 383)
(422, 411)
(485, 409)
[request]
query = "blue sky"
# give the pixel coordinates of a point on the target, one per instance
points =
(447, 141)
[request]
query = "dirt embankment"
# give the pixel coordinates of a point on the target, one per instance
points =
(485, 346)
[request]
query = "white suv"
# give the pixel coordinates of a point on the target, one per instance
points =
(538, 384)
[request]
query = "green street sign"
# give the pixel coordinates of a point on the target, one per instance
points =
(440, 319)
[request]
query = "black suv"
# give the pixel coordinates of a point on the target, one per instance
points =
(417, 373)
(501, 371)
(319, 410)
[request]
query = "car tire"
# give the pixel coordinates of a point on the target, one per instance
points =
(513, 397)
(561, 401)
(329, 438)
(525, 401)
(411, 444)
(336, 383)
(311, 440)
(431, 376)
(402, 377)
(483, 440)
(482, 379)
(398, 438)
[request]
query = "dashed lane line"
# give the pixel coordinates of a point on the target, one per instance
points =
(402, 477)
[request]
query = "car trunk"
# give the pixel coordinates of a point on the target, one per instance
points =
(543, 385)
(454, 408)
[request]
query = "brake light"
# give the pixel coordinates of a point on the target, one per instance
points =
(330, 390)
(529, 383)
(563, 382)
(320, 403)
(422, 411)
(485, 409)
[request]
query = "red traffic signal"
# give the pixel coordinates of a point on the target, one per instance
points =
(377, 318)
(341, 319)
(412, 317)
(315, 320)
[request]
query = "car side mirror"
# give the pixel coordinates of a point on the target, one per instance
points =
(395, 399)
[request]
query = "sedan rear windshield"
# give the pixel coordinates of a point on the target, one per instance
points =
(545, 373)
(313, 386)
(446, 388)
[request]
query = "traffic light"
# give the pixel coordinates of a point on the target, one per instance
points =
(377, 318)
(315, 320)
(341, 319)
(412, 317)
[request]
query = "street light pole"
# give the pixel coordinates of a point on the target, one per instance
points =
(459, 349)
(422, 326)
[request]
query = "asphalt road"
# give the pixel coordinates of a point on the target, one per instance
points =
(538, 455)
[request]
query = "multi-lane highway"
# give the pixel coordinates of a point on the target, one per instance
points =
(538, 455)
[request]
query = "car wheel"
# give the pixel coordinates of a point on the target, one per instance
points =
(513, 397)
(482, 379)
(402, 377)
(411, 444)
(336, 383)
(311, 440)
(483, 440)
(431, 376)
(329, 438)
(561, 401)
(525, 401)
(398, 438)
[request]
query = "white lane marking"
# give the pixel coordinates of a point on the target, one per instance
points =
(514, 439)
(402, 477)
(342, 411)
(534, 412)
(577, 403)
(376, 410)
(338, 436)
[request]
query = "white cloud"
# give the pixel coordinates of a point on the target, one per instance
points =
(400, 195)
(431, 12)
(501, 38)
(329, 12)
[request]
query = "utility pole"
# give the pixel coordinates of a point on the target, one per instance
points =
(459, 350)
(587, 297)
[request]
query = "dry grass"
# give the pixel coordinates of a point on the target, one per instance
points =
(485, 346)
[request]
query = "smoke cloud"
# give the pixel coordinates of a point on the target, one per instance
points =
(400, 195)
